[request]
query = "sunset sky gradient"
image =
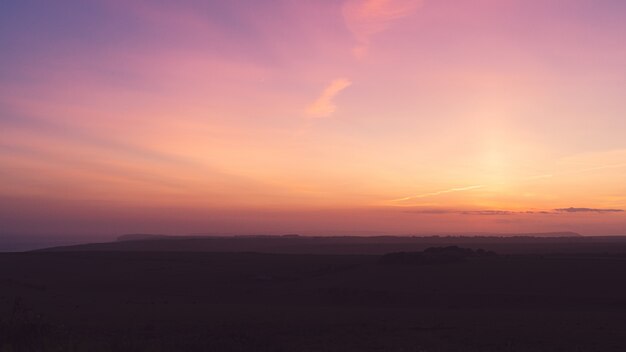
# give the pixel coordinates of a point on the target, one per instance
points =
(312, 116)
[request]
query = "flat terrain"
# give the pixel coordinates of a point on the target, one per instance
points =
(355, 245)
(210, 301)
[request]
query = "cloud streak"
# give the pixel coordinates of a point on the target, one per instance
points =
(325, 106)
(365, 18)
(587, 210)
(488, 212)
(432, 194)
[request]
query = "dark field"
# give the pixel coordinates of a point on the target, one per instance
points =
(141, 300)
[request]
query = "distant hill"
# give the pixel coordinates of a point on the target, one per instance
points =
(142, 237)
(547, 234)
(561, 242)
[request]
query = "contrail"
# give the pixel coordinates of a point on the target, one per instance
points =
(537, 177)
(451, 190)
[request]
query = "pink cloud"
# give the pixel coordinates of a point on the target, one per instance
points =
(325, 106)
(365, 18)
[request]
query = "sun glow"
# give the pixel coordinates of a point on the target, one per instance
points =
(398, 115)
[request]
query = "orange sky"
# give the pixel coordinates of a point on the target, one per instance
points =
(316, 117)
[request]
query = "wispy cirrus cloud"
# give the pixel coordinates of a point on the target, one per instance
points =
(365, 18)
(488, 212)
(496, 212)
(432, 194)
(587, 210)
(325, 106)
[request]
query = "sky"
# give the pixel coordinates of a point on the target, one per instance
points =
(312, 116)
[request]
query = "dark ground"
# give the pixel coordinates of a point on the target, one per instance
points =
(114, 300)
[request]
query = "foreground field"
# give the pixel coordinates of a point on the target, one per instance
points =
(164, 301)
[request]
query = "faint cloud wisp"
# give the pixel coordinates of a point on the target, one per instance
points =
(587, 210)
(325, 106)
(488, 212)
(367, 17)
(432, 194)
